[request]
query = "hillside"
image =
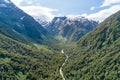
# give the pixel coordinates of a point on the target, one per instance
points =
(22, 62)
(98, 52)
(21, 23)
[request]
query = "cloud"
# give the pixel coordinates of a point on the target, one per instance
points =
(36, 10)
(101, 15)
(17, 2)
(112, 7)
(109, 2)
(85, 14)
(29, 2)
(92, 8)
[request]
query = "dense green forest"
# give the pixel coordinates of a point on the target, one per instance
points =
(19, 61)
(29, 52)
(97, 56)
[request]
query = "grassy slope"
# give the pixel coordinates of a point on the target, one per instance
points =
(98, 54)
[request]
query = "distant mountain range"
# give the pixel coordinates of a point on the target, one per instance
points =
(22, 27)
(69, 28)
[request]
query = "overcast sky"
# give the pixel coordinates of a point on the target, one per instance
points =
(93, 9)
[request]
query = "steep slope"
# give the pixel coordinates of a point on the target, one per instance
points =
(21, 22)
(41, 20)
(24, 62)
(71, 28)
(98, 54)
(106, 34)
(8, 31)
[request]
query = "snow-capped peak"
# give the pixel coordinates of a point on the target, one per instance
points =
(74, 16)
(41, 20)
(78, 18)
(7, 1)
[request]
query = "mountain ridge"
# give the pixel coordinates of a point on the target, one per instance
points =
(22, 23)
(97, 53)
(71, 28)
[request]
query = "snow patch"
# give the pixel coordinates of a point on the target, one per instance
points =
(43, 22)
(76, 18)
(22, 17)
(7, 1)
(3, 5)
(58, 20)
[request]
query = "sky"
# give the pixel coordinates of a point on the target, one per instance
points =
(93, 9)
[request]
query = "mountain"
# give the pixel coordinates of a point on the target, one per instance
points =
(98, 54)
(20, 23)
(95, 56)
(19, 61)
(42, 21)
(71, 28)
(8, 31)
(106, 34)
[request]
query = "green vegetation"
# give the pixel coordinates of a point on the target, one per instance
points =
(98, 54)
(28, 53)
(19, 61)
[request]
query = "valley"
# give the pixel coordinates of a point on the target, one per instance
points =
(67, 48)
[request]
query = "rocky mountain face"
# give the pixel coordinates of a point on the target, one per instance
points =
(71, 28)
(42, 21)
(20, 23)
